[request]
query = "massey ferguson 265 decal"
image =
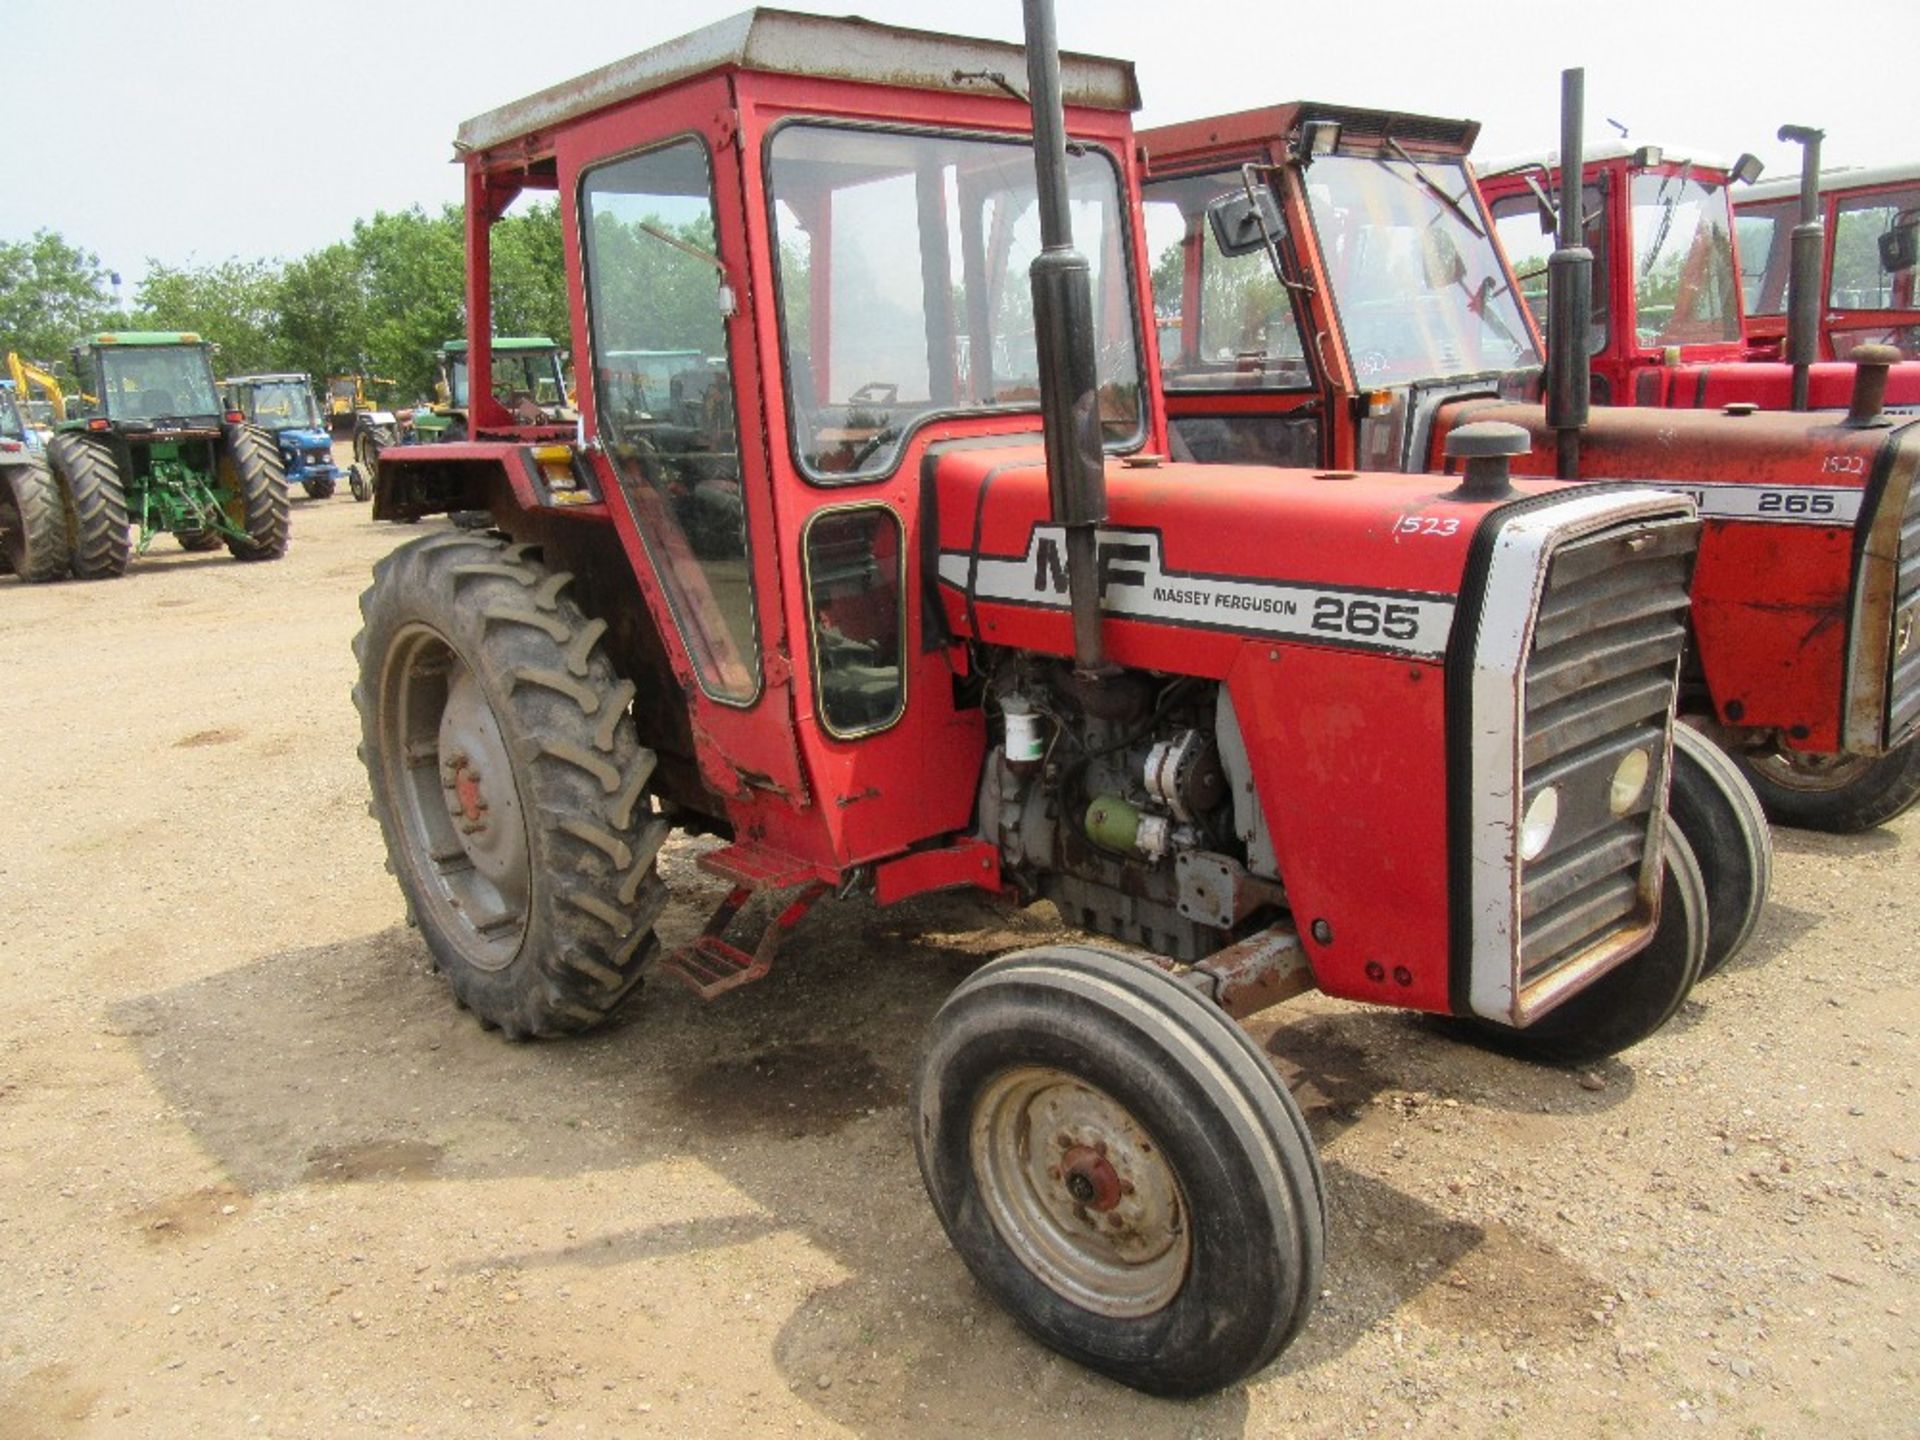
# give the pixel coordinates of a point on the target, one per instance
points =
(1794, 504)
(1135, 584)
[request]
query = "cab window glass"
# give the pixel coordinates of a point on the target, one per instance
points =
(1683, 283)
(1518, 224)
(854, 560)
(1225, 321)
(1765, 233)
(1864, 239)
(653, 292)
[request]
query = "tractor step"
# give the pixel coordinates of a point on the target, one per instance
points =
(713, 964)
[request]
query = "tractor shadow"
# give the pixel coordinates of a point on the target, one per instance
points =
(347, 1063)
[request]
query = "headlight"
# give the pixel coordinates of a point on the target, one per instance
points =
(1536, 826)
(1629, 780)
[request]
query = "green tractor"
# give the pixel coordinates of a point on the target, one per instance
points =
(157, 450)
(528, 378)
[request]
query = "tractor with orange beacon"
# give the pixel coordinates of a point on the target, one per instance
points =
(1404, 739)
(1363, 230)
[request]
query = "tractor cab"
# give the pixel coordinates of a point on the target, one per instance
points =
(283, 405)
(529, 382)
(1870, 259)
(15, 433)
(147, 381)
(1359, 227)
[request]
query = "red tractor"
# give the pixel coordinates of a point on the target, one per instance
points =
(1363, 230)
(1674, 323)
(903, 595)
(1869, 259)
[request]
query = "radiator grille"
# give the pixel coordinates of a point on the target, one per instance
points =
(1600, 684)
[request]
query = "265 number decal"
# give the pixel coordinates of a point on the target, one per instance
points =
(1338, 615)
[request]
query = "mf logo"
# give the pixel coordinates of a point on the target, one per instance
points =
(1117, 563)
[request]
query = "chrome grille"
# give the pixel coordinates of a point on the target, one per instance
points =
(1600, 682)
(1903, 681)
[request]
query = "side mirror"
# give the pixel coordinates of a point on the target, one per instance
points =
(1900, 246)
(1240, 226)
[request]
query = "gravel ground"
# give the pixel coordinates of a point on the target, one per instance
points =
(258, 1176)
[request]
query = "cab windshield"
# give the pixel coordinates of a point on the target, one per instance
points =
(903, 286)
(1416, 279)
(156, 382)
(1683, 285)
(281, 405)
(10, 425)
(533, 374)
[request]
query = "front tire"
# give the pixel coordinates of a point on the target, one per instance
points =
(258, 478)
(1119, 1165)
(1727, 830)
(321, 489)
(34, 542)
(1840, 794)
(96, 506)
(1632, 1000)
(508, 781)
(199, 541)
(357, 485)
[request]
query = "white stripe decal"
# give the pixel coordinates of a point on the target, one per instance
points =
(1783, 504)
(1136, 585)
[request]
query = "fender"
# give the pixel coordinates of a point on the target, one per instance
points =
(502, 479)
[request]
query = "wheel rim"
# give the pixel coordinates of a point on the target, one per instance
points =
(1080, 1192)
(1811, 774)
(458, 803)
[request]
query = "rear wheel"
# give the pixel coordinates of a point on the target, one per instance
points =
(96, 506)
(1116, 1161)
(1727, 831)
(34, 543)
(508, 782)
(259, 479)
(1841, 794)
(1632, 1000)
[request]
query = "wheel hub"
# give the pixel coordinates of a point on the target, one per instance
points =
(1815, 774)
(477, 782)
(1080, 1191)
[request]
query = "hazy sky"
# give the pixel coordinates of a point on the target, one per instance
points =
(188, 130)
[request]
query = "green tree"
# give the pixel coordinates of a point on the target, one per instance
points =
(413, 276)
(233, 303)
(51, 293)
(530, 274)
(322, 305)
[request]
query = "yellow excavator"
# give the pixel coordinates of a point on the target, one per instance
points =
(27, 376)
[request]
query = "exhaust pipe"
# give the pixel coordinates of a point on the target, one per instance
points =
(1063, 323)
(1569, 288)
(1803, 278)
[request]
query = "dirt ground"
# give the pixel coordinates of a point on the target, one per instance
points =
(259, 1176)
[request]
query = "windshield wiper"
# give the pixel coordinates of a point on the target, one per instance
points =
(1438, 190)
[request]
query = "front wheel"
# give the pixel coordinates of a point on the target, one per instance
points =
(1635, 998)
(1841, 794)
(357, 485)
(1116, 1161)
(258, 480)
(1727, 831)
(34, 543)
(508, 782)
(320, 489)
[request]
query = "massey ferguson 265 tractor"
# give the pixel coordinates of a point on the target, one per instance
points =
(1363, 229)
(1406, 739)
(161, 452)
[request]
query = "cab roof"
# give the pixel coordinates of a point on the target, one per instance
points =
(1360, 128)
(1604, 150)
(782, 42)
(1842, 177)
(145, 337)
(267, 380)
(503, 342)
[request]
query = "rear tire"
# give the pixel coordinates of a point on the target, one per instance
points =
(34, 543)
(1632, 1000)
(1119, 1165)
(1840, 794)
(255, 472)
(96, 506)
(1727, 831)
(508, 782)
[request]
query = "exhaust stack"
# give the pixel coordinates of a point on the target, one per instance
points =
(1803, 279)
(1063, 323)
(1569, 288)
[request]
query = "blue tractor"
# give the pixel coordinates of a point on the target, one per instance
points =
(284, 406)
